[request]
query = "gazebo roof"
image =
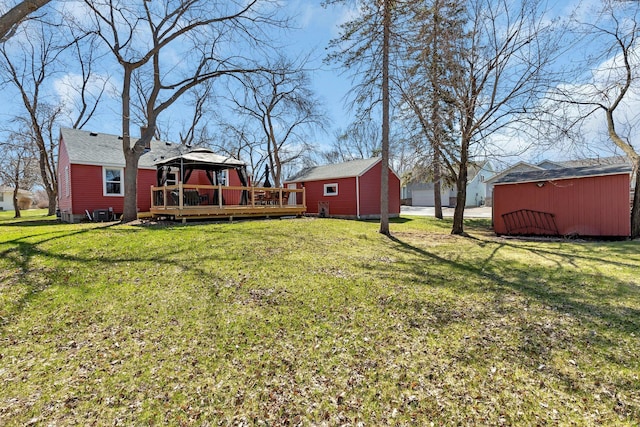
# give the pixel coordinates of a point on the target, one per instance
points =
(201, 157)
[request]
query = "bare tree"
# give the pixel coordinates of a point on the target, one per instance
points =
(366, 47)
(28, 74)
(285, 112)
(607, 80)
(240, 140)
(29, 64)
(505, 60)
(196, 131)
(18, 166)
(361, 140)
(10, 21)
(435, 33)
(139, 35)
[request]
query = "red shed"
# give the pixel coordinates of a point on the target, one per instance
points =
(584, 201)
(91, 173)
(347, 190)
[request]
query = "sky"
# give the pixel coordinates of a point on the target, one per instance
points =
(316, 26)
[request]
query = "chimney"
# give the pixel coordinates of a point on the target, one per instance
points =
(147, 145)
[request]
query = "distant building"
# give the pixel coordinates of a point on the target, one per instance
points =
(25, 199)
(422, 193)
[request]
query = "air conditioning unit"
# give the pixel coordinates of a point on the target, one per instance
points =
(323, 209)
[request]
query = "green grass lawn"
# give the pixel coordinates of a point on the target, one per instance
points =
(313, 322)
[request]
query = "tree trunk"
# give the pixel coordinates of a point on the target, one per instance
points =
(52, 195)
(130, 207)
(16, 206)
(635, 208)
(461, 189)
(131, 155)
(635, 160)
(437, 185)
(384, 181)
(434, 75)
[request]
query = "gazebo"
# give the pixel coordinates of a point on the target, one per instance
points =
(203, 184)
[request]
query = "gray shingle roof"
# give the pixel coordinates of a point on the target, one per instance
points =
(202, 156)
(91, 148)
(564, 173)
(7, 189)
(349, 169)
(613, 160)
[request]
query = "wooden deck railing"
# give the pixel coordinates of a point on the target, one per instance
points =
(186, 200)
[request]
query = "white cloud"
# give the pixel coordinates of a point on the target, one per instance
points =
(67, 88)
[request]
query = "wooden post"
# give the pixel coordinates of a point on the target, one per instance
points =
(220, 196)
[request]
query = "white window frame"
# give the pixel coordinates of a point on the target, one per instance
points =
(171, 181)
(331, 193)
(104, 182)
(224, 177)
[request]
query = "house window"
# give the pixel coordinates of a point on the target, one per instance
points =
(1, 197)
(113, 181)
(331, 189)
(172, 179)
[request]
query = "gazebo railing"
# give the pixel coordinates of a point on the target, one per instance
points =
(182, 196)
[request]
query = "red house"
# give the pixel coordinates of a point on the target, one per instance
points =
(91, 171)
(584, 201)
(347, 190)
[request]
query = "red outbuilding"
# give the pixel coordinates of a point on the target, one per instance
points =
(347, 190)
(583, 201)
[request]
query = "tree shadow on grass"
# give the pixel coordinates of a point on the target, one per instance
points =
(20, 254)
(584, 308)
(529, 282)
(625, 249)
(18, 222)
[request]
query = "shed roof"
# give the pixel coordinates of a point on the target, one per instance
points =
(563, 173)
(92, 148)
(612, 160)
(519, 167)
(348, 169)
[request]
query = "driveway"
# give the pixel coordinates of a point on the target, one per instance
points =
(481, 212)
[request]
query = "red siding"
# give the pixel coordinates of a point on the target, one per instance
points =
(592, 206)
(342, 204)
(199, 177)
(87, 191)
(146, 179)
(370, 192)
(345, 202)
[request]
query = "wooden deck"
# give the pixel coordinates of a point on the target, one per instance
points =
(185, 201)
